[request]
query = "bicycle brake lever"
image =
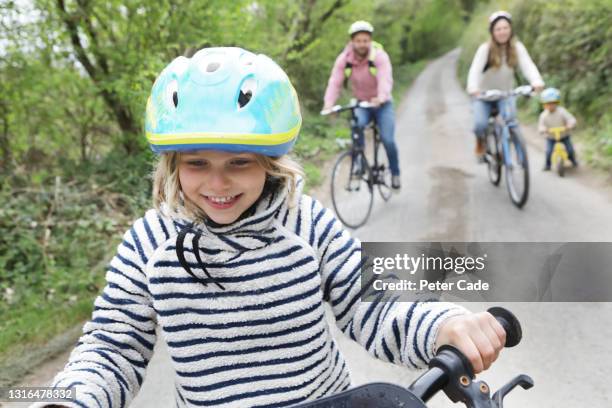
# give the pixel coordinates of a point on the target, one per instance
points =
(525, 90)
(525, 381)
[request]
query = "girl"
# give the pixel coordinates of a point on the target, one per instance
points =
(494, 67)
(234, 263)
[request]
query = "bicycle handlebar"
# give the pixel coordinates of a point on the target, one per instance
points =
(449, 371)
(353, 104)
(452, 372)
(557, 131)
(493, 95)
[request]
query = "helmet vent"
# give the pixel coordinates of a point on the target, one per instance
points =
(212, 66)
(247, 89)
(172, 94)
(244, 98)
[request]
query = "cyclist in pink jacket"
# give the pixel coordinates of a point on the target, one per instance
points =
(367, 66)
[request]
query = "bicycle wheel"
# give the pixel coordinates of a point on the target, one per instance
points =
(351, 189)
(559, 164)
(517, 169)
(492, 157)
(382, 173)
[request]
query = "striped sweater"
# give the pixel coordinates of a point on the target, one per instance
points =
(256, 336)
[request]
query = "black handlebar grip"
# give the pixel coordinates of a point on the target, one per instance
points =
(510, 323)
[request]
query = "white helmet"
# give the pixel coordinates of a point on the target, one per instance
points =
(497, 15)
(360, 26)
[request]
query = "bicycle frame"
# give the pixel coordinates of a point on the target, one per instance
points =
(559, 148)
(355, 137)
(352, 106)
(376, 169)
(559, 151)
(503, 129)
(357, 148)
(559, 154)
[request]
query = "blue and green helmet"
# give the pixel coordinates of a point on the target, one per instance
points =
(225, 99)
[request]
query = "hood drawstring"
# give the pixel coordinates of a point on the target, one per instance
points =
(180, 253)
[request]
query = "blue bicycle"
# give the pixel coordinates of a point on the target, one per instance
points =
(505, 147)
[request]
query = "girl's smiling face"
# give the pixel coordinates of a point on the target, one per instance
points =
(222, 184)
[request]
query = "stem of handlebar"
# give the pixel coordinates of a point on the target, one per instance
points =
(429, 383)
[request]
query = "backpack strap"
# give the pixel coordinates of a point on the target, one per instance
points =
(348, 70)
(372, 57)
(348, 67)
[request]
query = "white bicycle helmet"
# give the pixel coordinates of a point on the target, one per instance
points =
(498, 15)
(360, 26)
(550, 95)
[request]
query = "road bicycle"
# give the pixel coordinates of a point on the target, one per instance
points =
(354, 176)
(505, 147)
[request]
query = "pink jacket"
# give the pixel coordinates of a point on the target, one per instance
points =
(363, 84)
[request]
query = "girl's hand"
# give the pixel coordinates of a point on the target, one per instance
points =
(479, 336)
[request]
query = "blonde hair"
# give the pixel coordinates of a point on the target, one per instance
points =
(497, 51)
(167, 186)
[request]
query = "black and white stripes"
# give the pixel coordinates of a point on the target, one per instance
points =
(260, 338)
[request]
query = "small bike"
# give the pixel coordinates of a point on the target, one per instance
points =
(449, 371)
(354, 177)
(505, 147)
(559, 155)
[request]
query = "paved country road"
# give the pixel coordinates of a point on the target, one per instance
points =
(446, 196)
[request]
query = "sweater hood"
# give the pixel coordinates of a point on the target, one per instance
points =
(223, 242)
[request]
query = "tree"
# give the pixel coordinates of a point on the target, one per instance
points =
(122, 45)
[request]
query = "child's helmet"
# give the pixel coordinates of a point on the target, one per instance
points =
(550, 95)
(360, 27)
(223, 99)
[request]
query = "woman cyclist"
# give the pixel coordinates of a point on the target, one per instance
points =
(494, 67)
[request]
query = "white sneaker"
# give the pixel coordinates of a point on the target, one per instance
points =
(395, 182)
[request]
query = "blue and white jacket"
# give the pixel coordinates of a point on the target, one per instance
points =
(256, 336)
